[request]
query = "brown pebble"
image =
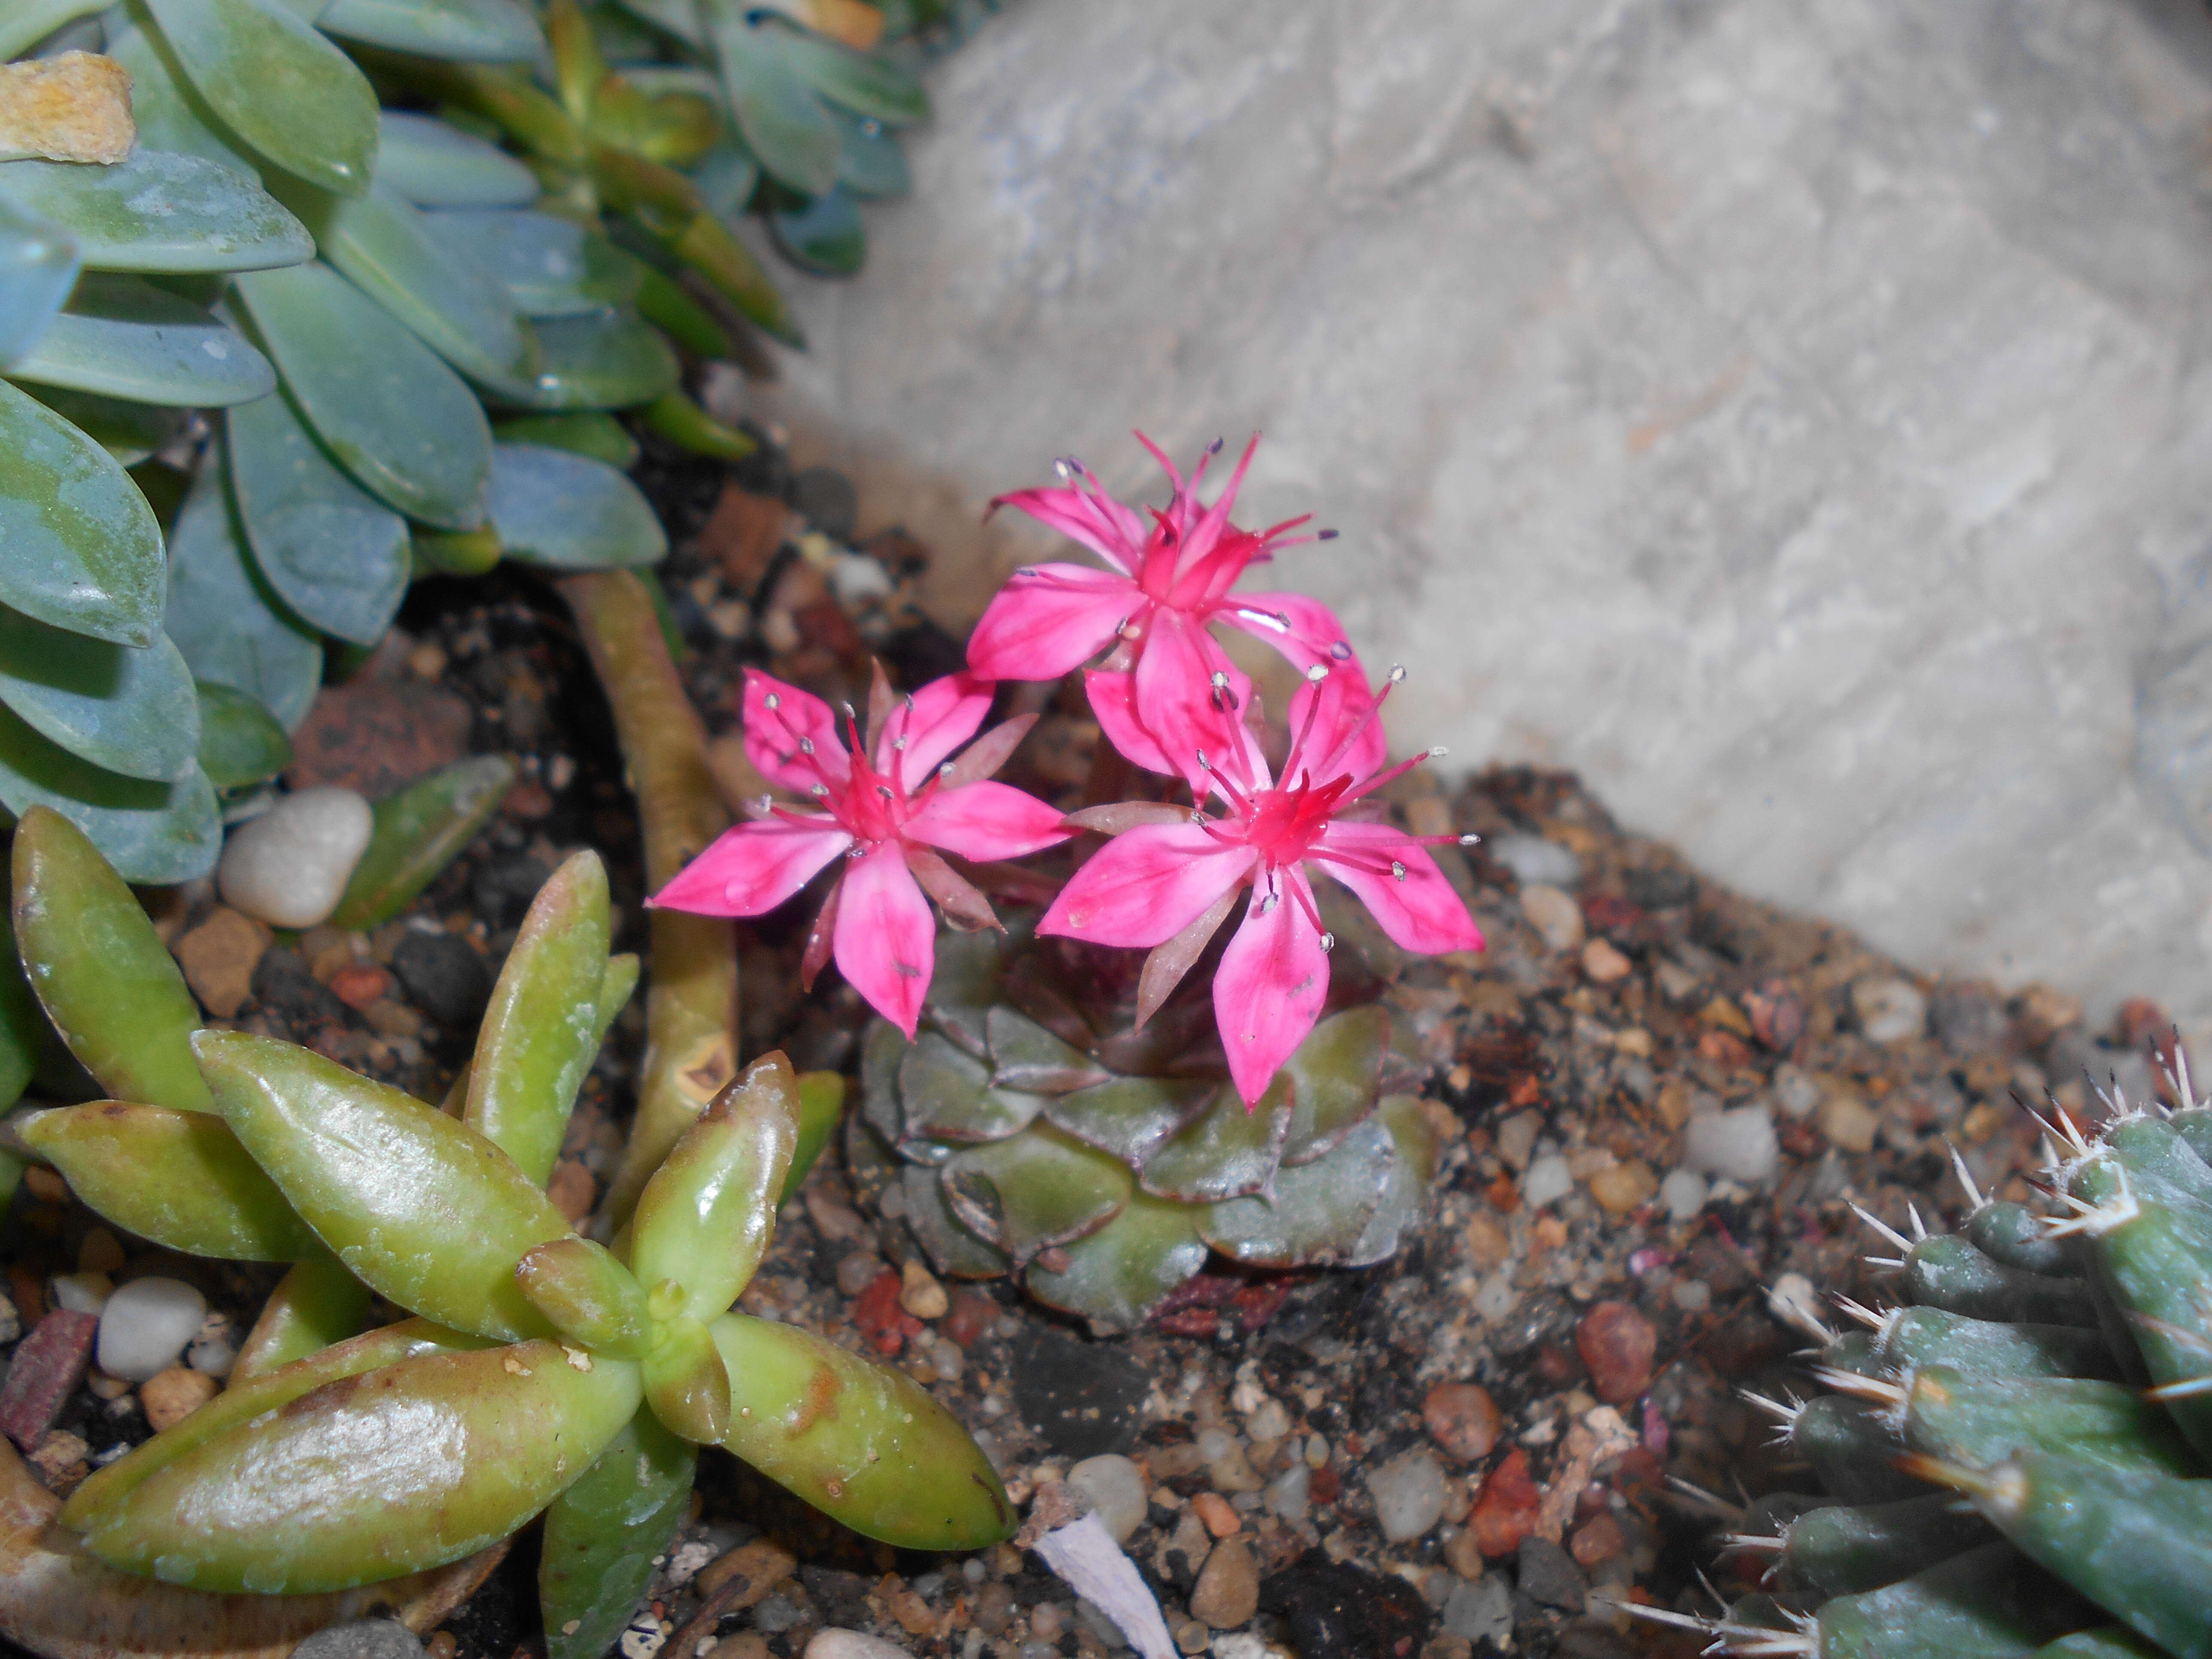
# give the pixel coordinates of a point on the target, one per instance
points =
(1603, 964)
(909, 1608)
(1463, 1554)
(745, 1645)
(360, 985)
(919, 1294)
(1463, 1419)
(743, 534)
(1617, 1345)
(972, 1315)
(1597, 1540)
(1227, 1593)
(172, 1395)
(1046, 1622)
(48, 1365)
(763, 1564)
(994, 1608)
(219, 957)
(572, 1190)
(61, 1462)
(528, 800)
(1848, 1123)
(1619, 1187)
(1487, 1243)
(1212, 1509)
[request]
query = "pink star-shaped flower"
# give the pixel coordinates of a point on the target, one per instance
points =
(1167, 883)
(1168, 689)
(888, 813)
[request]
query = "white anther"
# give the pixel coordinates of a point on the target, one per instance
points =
(1317, 673)
(807, 745)
(817, 790)
(1397, 870)
(1328, 941)
(772, 700)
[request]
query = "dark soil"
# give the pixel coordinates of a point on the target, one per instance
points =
(1577, 1062)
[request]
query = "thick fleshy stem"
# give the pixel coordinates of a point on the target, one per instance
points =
(691, 1007)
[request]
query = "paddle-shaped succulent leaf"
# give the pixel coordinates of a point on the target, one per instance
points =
(84, 552)
(704, 1220)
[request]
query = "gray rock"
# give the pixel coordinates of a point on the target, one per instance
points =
(362, 1638)
(1116, 1492)
(1482, 1611)
(1737, 1145)
(851, 1644)
(1409, 1495)
(1889, 1010)
(1682, 1194)
(1546, 1575)
(1547, 1179)
(444, 976)
(1533, 860)
(1786, 414)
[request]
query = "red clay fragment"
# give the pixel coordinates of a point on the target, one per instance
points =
(49, 1364)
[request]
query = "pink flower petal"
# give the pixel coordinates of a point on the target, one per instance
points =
(1144, 888)
(1114, 701)
(1176, 699)
(773, 735)
(1418, 910)
(1049, 619)
(945, 715)
(1304, 630)
(1113, 531)
(1269, 988)
(749, 870)
(1333, 731)
(987, 820)
(886, 937)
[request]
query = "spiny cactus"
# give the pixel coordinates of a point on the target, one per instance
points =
(540, 1373)
(2019, 1460)
(1036, 1134)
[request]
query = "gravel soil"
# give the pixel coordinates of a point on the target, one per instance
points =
(1659, 1101)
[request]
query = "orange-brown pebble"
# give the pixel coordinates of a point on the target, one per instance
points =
(1212, 1509)
(1596, 1541)
(1463, 1419)
(1617, 1344)
(1603, 964)
(360, 985)
(442, 1645)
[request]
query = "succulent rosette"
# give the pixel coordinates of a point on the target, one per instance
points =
(1044, 1103)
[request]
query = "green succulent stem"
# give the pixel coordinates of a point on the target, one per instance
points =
(691, 1007)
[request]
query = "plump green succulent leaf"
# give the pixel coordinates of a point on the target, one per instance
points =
(603, 1535)
(444, 296)
(871, 162)
(1336, 1077)
(549, 266)
(616, 987)
(1414, 1151)
(681, 420)
(1132, 1117)
(821, 1109)
(825, 236)
(956, 1252)
(587, 1296)
(588, 432)
(604, 360)
(223, 615)
(158, 211)
(552, 506)
(153, 833)
(669, 306)
(105, 978)
(316, 1305)
(1226, 1152)
(948, 1095)
(84, 552)
(687, 1381)
(963, 990)
(461, 31)
(29, 22)
(240, 741)
(24, 1033)
(251, 1396)
(433, 164)
(1026, 1055)
(335, 554)
(179, 1179)
(1033, 1191)
(289, 94)
(460, 1449)
(169, 114)
(37, 268)
(418, 832)
(124, 337)
(710, 248)
(1315, 1213)
(866, 83)
(1120, 1273)
(784, 126)
(705, 1217)
(126, 709)
(405, 426)
(424, 1210)
(127, 431)
(540, 1033)
(726, 177)
(858, 1440)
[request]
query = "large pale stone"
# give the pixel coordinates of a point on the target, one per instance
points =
(1792, 413)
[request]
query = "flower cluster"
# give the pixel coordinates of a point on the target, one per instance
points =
(1168, 700)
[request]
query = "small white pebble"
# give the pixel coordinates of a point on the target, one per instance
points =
(1682, 1194)
(1547, 1179)
(146, 1325)
(290, 866)
(1116, 1492)
(1739, 1144)
(1409, 1495)
(82, 1293)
